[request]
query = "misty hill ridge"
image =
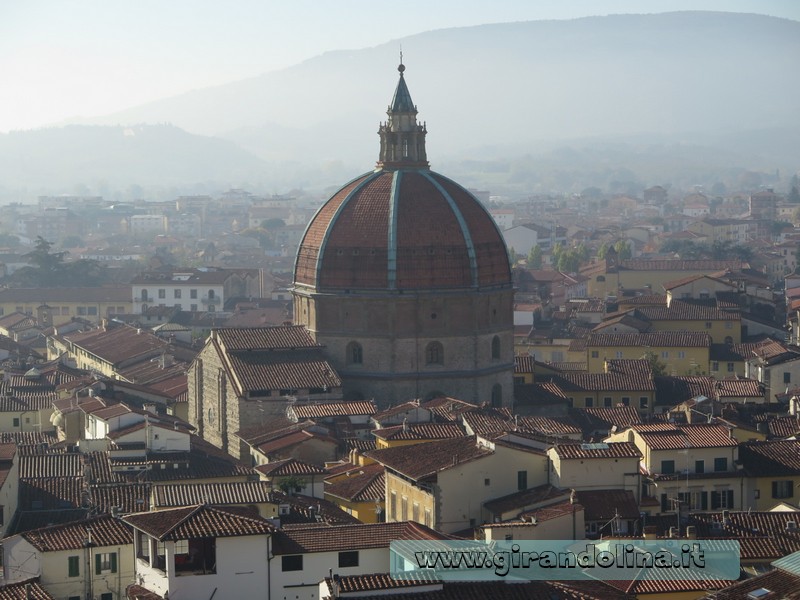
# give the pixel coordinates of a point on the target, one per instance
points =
(515, 82)
(161, 154)
(722, 84)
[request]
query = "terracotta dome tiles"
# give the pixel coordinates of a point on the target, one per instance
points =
(407, 229)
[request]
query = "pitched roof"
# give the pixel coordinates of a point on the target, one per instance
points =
(779, 583)
(198, 522)
(25, 590)
(604, 505)
(340, 538)
(256, 370)
(292, 337)
(781, 458)
(170, 495)
(117, 344)
(289, 466)
(600, 450)
(655, 339)
(669, 436)
(525, 498)
(334, 409)
(424, 461)
(103, 531)
(602, 418)
(420, 431)
(361, 484)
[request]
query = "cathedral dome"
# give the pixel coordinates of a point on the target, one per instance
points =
(402, 226)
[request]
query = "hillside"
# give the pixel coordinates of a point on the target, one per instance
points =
(688, 97)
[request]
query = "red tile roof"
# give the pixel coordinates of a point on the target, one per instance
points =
(349, 236)
(293, 438)
(25, 590)
(784, 427)
(668, 436)
(420, 431)
(293, 337)
(424, 461)
(446, 408)
(117, 344)
(363, 484)
(333, 409)
(600, 450)
(656, 339)
(680, 265)
(170, 495)
(137, 592)
(263, 370)
(775, 458)
(289, 466)
(103, 531)
(198, 522)
(525, 499)
(340, 538)
(780, 583)
(604, 505)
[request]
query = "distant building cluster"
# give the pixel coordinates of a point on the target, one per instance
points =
(266, 422)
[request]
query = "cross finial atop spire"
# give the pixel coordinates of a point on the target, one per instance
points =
(401, 67)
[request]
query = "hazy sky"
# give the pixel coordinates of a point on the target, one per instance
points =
(67, 58)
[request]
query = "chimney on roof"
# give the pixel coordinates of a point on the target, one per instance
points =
(572, 495)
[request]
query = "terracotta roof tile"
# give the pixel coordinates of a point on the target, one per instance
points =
(137, 592)
(265, 338)
(604, 505)
(658, 339)
(105, 531)
(784, 427)
(289, 466)
(424, 461)
(362, 484)
(525, 498)
(780, 458)
(25, 590)
(266, 370)
(420, 431)
(171, 495)
(781, 584)
(51, 493)
(198, 522)
(668, 436)
(333, 409)
(349, 537)
(601, 450)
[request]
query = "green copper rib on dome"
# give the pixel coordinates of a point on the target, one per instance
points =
(401, 103)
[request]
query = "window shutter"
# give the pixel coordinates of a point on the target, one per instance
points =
(730, 498)
(704, 501)
(98, 563)
(664, 507)
(774, 489)
(113, 562)
(74, 569)
(714, 500)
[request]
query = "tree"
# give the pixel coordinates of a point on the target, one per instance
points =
(43, 259)
(623, 249)
(602, 251)
(535, 258)
(48, 269)
(657, 368)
